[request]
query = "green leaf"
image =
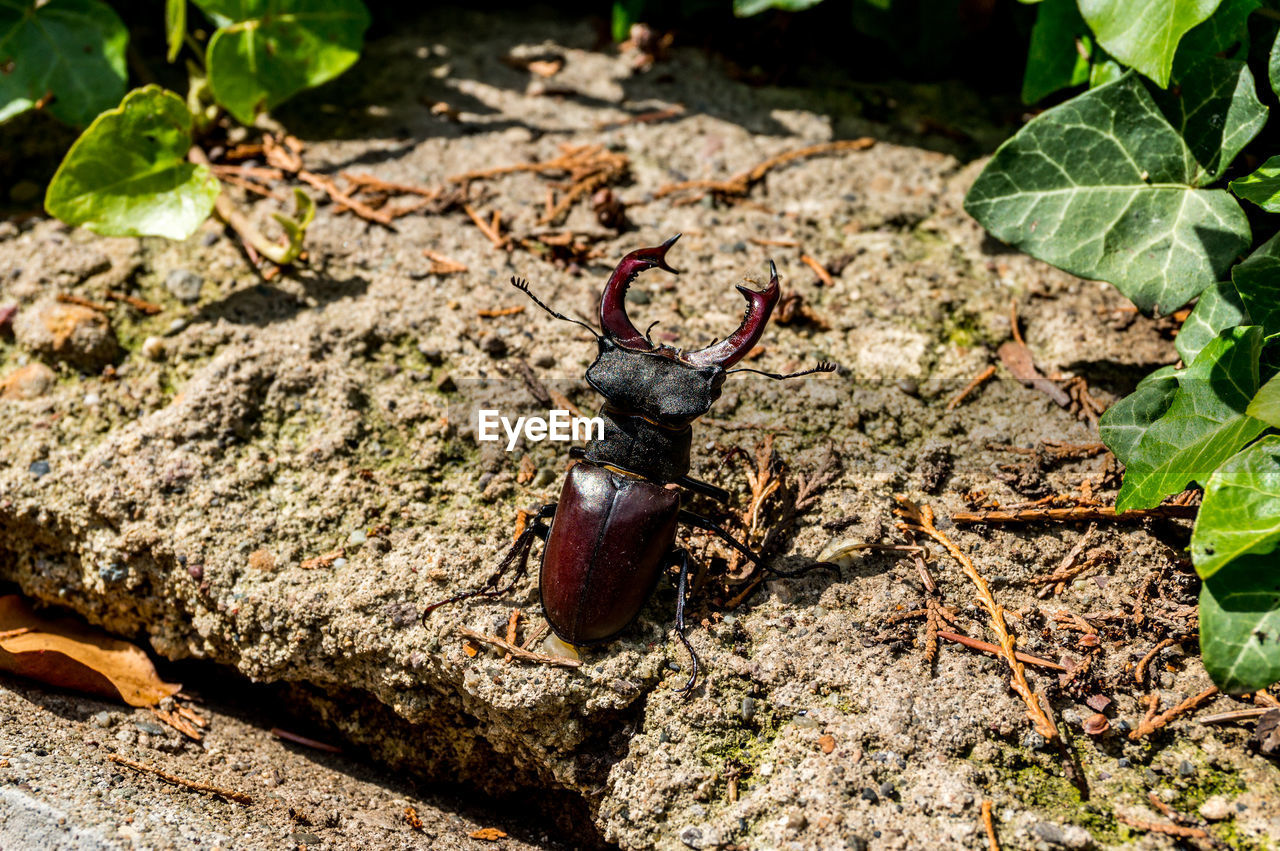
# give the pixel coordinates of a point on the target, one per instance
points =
(1273, 66)
(1240, 624)
(1258, 281)
(1103, 187)
(1054, 60)
(175, 25)
(1205, 425)
(127, 174)
(1240, 514)
(1123, 424)
(1215, 109)
(1262, 187)
(1266, 405)
(747, 8)
(1144, 34)
(1225, 28)
(1104, 69)
(274, 49)
(70, 49)
(296, 228)
(1219, 308)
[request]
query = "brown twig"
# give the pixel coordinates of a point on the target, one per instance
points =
(147, 307)
(229, 794)
(988, 823)
(512, 624)
(920, 519)
(518, 652)
(441, 265)
(994, 650)
(314, 744)
(81, 301)
(1152, 723)
(1166, 829)
(1075, 514)
(377, 184)
(1140, 672)
(485, 228)
(818, 269)
(740, 184)
(774, 243)
(977, 382)
(1235, 715)
(14, 633)
(342, 199)
(494, 313)
(179, 723)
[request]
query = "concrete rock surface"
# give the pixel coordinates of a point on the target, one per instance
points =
(285, 489)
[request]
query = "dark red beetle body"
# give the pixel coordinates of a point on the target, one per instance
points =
(607, 547)
(612, 534)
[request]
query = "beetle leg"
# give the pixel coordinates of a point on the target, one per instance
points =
(517, 557)
(703, 523)
(682, 588)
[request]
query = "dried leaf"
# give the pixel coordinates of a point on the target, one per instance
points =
(67, 653)
(488, 834)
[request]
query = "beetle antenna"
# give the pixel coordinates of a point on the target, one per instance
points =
(823, 366)
(523, 285)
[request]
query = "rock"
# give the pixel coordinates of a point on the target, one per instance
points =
(184, 285)
(153, 348)
(1060, 836)
(1216, 808)
(29, 382)
(691, 837)
(39, 469)
(71, 333)
(494, 346)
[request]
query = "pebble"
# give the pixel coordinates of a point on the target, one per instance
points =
(184, 285)
(102, 719)
(150, 728)
(1069, 836)
(357, 537)
(691, 837)
(71, 333)
(29, 382)
(747, 709)
(91, 399)
(494, 346)
(1216, 808)
(39, 468)
(153, 348)
(1186, 769)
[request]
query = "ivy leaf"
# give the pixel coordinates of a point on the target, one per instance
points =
(1257, 279)
(1216, 109)
(1240, 514)
(273, 49)
(1053, 60)
(1122, 425)
(127, 174)
(70, 49)
(1104, 69)
(175, 26)
(1103, 187)
(1262, 187)
(747, 8)
(1224, 29)
(1205, 425)
(1266, 405)
(1273, 66)
(1219, 308)
(1240, 624)
(1144, 34)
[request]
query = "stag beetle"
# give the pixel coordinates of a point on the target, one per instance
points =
(612, 534)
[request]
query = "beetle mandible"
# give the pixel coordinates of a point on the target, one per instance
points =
(613, 532)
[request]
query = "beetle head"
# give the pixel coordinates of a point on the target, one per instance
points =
(666, 384)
